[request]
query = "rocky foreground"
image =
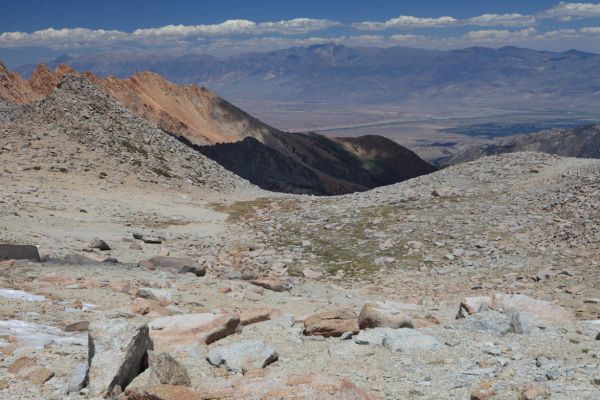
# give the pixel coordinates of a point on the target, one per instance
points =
(480, 281)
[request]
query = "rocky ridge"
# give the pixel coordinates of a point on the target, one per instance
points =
(577, 142)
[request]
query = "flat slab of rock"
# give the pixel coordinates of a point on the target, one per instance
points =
(331, 323)
(257, 315)
(91, 258)
(204, 328)
(402, 340)
(275, 285)
(179, 264)
(308, 387)
(163, 392)
(117, 349)
(385, 315)
(19, 252)
(539, 311)
(243, 356)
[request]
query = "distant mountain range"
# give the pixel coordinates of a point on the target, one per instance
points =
(581, 142)
(333, 73)
(270, 158)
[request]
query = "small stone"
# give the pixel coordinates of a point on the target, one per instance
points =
(519, 324)
(347, 335)
(483, 391)
(77, 326)
(161, 296)
(3, 384)
(534, 391)
(553, 374)
(99, 244)
(312, 274)
(472, 305)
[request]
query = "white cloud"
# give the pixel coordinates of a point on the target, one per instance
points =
(500, 20)
(57, 38)
(297, 26)
(591, 30)
(237, 27)
(406, 22)
(407, 38)
(494, 35)
(567, 11)
(80, 37)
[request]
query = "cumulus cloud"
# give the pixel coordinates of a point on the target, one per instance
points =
(297, 26)
(500, 20)
(494, 35)
(237, 27)
(567, 11)
(57, 38)
(591, 30)
(406, 22)
(409, 22)
(79, 37)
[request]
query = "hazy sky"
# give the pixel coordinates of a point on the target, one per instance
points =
(36, 30)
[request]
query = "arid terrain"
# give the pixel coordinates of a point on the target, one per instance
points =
(161, 275)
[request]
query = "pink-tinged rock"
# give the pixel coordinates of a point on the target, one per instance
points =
(169, 332)
(257, 315)
(539, 311)
(121, 287)
(149, 307)
(471, 305)
(163, 392)
(384, 315)
(331, 323)
(7, 263)
(301, 387)
(275, 285)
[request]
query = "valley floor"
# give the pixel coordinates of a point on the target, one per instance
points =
(521, 223)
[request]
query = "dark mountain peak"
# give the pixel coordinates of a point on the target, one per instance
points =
(578, 53)
(62, 59)
(329, 47)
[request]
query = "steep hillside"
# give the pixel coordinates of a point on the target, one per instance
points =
(578, 142)
(315, 164)
(385, 159)
(192, 111)
(84, 129)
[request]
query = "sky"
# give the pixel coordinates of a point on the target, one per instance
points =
(34, 31)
